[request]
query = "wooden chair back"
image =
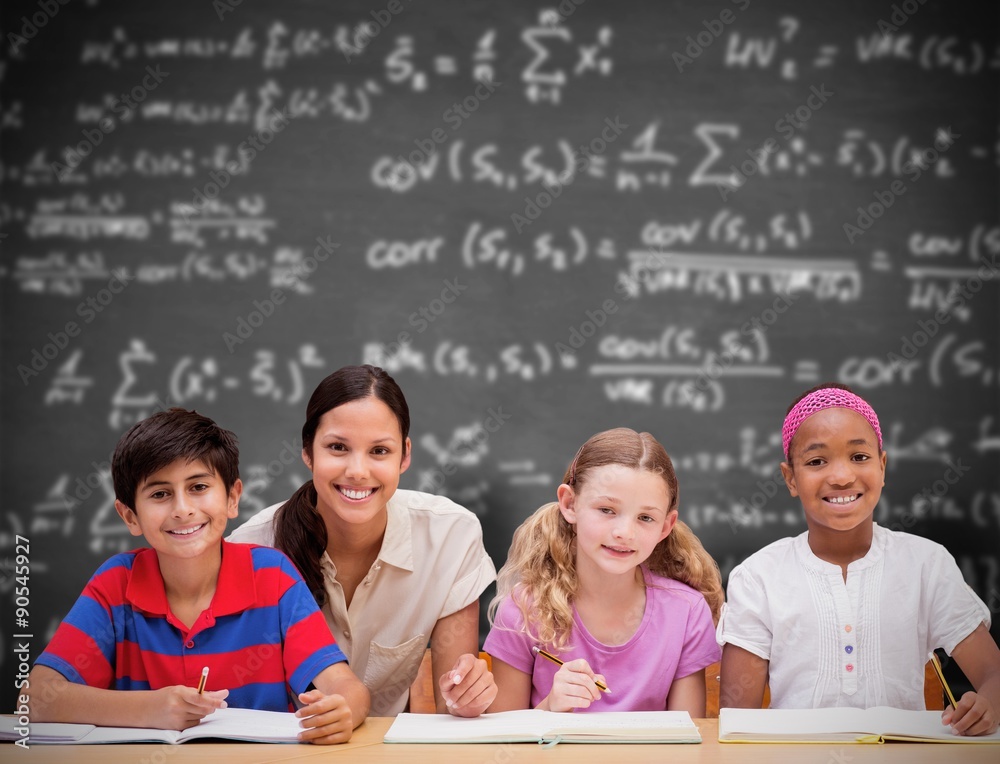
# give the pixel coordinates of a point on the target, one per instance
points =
(933, 693)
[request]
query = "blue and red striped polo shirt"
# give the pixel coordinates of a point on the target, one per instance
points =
(263, 637)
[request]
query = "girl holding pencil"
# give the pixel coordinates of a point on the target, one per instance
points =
(607, 600)
(846, 613)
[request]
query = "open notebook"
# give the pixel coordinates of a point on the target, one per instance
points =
(227, 723)
(533, 726)
(850, 725)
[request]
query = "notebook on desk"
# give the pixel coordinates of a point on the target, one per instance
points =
(533, 726)
(226, 723)
(838, 725)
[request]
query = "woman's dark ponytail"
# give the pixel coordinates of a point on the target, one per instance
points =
(300, 533)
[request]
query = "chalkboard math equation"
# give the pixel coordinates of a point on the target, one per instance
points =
(544, 220)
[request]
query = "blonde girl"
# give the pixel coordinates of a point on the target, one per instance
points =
(610, 582)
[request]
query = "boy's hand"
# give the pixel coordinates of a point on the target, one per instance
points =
(573, 687)
(178, 707)
(327, 719)
(469, 688)
(974, 715)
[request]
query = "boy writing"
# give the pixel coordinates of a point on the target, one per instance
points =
(132, 650)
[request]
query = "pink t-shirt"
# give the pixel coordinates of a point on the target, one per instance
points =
(675, 638)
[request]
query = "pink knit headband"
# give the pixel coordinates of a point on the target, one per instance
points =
(826, 398)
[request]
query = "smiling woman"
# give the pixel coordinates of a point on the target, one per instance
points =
(392, 569)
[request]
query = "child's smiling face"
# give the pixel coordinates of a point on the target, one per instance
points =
(836, 470)
(182, 509)
(620, 514)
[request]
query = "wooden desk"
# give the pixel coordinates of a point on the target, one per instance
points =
(367, 746)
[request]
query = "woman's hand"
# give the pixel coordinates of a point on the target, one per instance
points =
(468, 689)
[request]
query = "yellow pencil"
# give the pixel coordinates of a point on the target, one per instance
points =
(549, 656)
(204, 678)
(940, 675)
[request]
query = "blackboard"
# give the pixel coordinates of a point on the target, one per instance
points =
(544, 219)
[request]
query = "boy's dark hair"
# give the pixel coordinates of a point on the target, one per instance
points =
(811, 390)
(165, 437)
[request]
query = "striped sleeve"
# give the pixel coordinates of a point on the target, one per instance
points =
(308, 647)
(84, 646)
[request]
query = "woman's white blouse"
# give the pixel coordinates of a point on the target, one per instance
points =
(432, 564)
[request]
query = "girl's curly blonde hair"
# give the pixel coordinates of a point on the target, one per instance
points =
(540, 572)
